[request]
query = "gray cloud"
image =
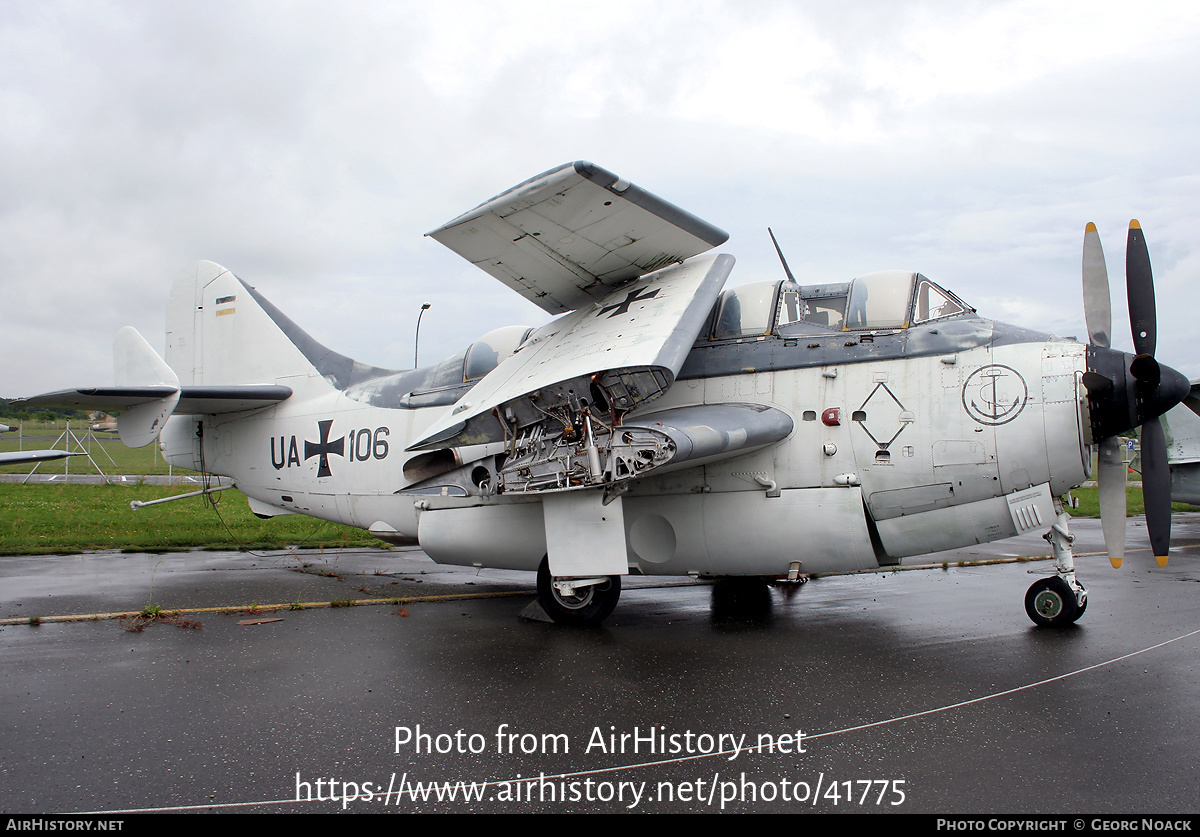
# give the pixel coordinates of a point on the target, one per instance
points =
(308, 147)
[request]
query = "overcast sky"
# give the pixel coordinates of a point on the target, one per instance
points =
(309, 146)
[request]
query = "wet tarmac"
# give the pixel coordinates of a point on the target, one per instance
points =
(925, 691)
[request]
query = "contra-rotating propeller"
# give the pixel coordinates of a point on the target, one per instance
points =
(1127, 391)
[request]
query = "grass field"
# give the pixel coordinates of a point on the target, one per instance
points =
(106, 449)
(46, 519)
(1089, 503)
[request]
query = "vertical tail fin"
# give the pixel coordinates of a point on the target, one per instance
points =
(221, 332)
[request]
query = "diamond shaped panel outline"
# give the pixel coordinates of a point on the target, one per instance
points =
(899, 418)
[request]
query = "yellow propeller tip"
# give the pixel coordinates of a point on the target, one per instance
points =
(1161, 559)
(1090, 227)
(1134, 225)
(1116, 563)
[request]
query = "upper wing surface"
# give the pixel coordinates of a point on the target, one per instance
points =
(566, 238)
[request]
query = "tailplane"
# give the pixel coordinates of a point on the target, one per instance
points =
(229, 350)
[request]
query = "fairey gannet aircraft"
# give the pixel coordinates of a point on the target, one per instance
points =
(662, 425)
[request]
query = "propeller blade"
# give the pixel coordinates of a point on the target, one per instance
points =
(1123, 396)
(1097, 309)
(1156, 489)
(1139, 284)
(1111, 478)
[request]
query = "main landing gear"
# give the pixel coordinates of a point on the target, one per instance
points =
(577, 601)
(1060, 600)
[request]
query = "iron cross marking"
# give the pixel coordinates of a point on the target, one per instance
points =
(623, 306)
(324, 448)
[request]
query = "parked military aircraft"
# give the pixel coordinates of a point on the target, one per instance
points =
(662, 425)
(24, 457)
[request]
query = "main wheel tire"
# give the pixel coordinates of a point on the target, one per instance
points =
(1050, 603)
(591, 606)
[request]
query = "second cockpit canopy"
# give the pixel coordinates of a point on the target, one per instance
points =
(885, 300)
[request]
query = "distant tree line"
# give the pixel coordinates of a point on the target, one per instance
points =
(14, 414)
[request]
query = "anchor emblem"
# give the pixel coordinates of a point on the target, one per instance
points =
(994, 394)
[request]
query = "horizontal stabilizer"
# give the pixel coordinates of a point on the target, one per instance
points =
(567, 237)
(147, 393)
(207, 400)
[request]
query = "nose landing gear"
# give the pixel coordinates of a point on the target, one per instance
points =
(1060, 600)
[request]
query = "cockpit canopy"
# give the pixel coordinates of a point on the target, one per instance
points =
(885, 300)
(486, 353)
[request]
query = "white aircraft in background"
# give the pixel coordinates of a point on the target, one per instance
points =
(663, 425)
(24, 457)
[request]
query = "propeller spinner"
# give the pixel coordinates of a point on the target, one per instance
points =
(1127, 391)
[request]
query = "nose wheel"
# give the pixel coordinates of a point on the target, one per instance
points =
(1060, 600)
(1051, 603)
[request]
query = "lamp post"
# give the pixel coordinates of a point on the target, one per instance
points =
(417, 337)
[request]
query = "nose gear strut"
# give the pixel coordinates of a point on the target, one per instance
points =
(1058, 601)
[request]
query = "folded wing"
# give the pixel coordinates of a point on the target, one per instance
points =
(568, 237)
(607, 359)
